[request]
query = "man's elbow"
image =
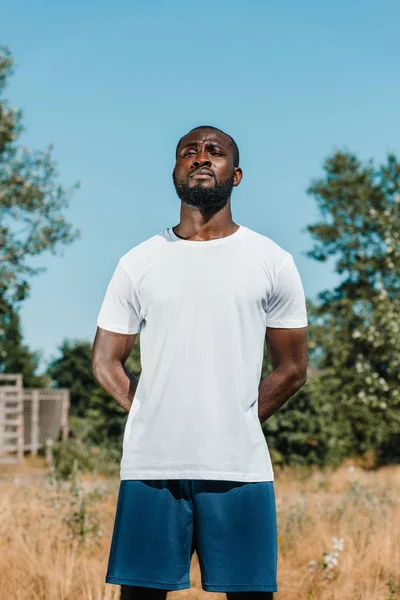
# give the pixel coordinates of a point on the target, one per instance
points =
(96, 369)
(298, 377)
(99, 367)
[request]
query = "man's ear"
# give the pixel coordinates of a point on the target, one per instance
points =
(237, 176)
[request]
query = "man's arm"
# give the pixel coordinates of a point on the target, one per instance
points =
(287, 351)
(109, 353)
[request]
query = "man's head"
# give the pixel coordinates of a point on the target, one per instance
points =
(206, 168)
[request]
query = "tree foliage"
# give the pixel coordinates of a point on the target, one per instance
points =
(96, 416)
(15, 356)
(31, 221)
(32, 200)
(354, 333)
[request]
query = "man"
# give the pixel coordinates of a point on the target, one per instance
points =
(196, 472)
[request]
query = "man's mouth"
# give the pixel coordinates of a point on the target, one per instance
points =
(202, 173)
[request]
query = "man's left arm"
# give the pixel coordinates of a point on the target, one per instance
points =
(286, 339)
(287, 351)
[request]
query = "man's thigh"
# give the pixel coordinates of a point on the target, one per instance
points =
(236, 537)
(152, 537)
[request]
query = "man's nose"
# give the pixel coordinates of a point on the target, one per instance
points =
(201, 160)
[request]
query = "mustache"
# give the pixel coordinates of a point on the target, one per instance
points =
(201, 170)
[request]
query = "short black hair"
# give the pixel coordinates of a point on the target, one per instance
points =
(235, 149)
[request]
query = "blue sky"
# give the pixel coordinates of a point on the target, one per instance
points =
(114, 85)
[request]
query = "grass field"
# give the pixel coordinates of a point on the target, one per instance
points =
(54, 540)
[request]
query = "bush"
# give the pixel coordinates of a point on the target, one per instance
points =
(307, 431)
(71, 454)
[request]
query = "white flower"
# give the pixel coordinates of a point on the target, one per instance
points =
(312, 565)
(330, 561)
(338, 544)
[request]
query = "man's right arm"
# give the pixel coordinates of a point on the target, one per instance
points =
(109, 353)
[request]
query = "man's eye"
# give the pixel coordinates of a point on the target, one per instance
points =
(188, 153)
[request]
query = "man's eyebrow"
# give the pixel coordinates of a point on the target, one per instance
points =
(216, 144)
(210, 143)
(189, 145)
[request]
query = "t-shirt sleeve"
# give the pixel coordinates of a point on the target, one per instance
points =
(120, 310)
(287, 305)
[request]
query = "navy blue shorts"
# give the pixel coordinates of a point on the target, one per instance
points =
(160, 523)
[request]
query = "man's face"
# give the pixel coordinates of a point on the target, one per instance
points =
(204, 172)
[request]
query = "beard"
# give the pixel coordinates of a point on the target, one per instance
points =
(205, 197)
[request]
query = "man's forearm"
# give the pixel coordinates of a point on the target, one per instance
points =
(119, 382)
(274, 390)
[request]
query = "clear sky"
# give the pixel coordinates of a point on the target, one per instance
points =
(114, 86)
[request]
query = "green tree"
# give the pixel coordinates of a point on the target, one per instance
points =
(96, 417)
(356, 326)
(31, 200)
(352, 405)
(31, 221)
(15, 357)
(72, 370)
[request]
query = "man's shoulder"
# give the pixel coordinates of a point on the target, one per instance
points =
(264, 243)
(142, 251)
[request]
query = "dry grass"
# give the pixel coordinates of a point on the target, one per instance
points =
(43, 557)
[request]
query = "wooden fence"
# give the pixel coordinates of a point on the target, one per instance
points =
(29, 417)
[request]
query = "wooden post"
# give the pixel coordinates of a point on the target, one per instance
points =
(64, 416)
(35, 421)
(11, 418)
(20, 417)
(49, 452)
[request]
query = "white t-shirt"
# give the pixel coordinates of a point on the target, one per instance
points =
(201, 309)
